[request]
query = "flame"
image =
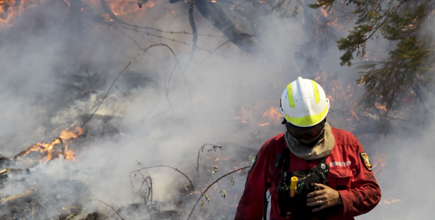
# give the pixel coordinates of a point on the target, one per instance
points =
(127, 7)
(52, 150)
(324, 12)
(273, 114)
(195, 192)
(379, 161)
(11, 9)
(354, 115)
(392, 201)
(381, 107)
(67, 2)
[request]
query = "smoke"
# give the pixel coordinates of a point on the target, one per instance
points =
(406, 177)
(58, 61)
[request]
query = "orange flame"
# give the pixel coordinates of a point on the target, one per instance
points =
(127, 7)
(379, 161)
(52, 150)
(392, 201)
(273, 114)
(381, 107)
(11, 9)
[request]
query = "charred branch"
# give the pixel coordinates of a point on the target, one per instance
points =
(420, 95)
(108, 206)
(20, 196)
(5, 173)
(4, 161)
(217, 16)
(194, 30)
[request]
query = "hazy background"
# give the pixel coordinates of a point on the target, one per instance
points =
(57, 62)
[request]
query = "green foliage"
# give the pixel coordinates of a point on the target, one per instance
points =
(409, 61)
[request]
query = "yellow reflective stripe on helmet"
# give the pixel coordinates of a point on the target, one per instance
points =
(309, 120)
(316, 91)
(291, 99)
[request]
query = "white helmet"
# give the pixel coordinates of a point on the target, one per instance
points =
(304, 103)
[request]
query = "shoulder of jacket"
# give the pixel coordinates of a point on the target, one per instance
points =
(344, 137)
(274, 144)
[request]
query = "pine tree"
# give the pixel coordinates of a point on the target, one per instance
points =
(406, 68)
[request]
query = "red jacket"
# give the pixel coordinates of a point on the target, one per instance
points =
(347, 170)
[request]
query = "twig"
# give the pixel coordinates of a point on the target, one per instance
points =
(212, 185)
(191, 184)
(150, 190)
(135, 27)
(201, 149)
(212, 52)
(125, 68)
(108, 206)
(151, 181)
(129, 37)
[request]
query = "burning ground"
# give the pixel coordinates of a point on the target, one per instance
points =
(106, 114)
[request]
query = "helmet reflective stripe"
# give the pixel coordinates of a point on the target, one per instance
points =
(316, 91)
(291, 100)
(309, 120)
(304, 103)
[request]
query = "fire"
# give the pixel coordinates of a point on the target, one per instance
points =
(354, 115)
(10, 9)
(53, 150)
(379, 161)
(273, 114)
(126, 7)
(381, 107)
(324, 12)
(392, 201)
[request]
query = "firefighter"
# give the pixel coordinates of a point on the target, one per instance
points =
(335, 178)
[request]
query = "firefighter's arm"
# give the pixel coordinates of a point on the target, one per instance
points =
(364, 193)
(251, 203)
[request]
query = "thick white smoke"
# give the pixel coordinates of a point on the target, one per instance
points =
(57, 62)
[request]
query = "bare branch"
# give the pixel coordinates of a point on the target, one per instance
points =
(191, 184)
(201, 149)
(108, 206)
(212, 185)
(125, 68)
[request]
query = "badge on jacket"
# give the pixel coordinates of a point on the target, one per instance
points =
(366, 161)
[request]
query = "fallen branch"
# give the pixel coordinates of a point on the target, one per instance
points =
(5, 172)
(25, 194)
(212, 185)
(108, 206)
